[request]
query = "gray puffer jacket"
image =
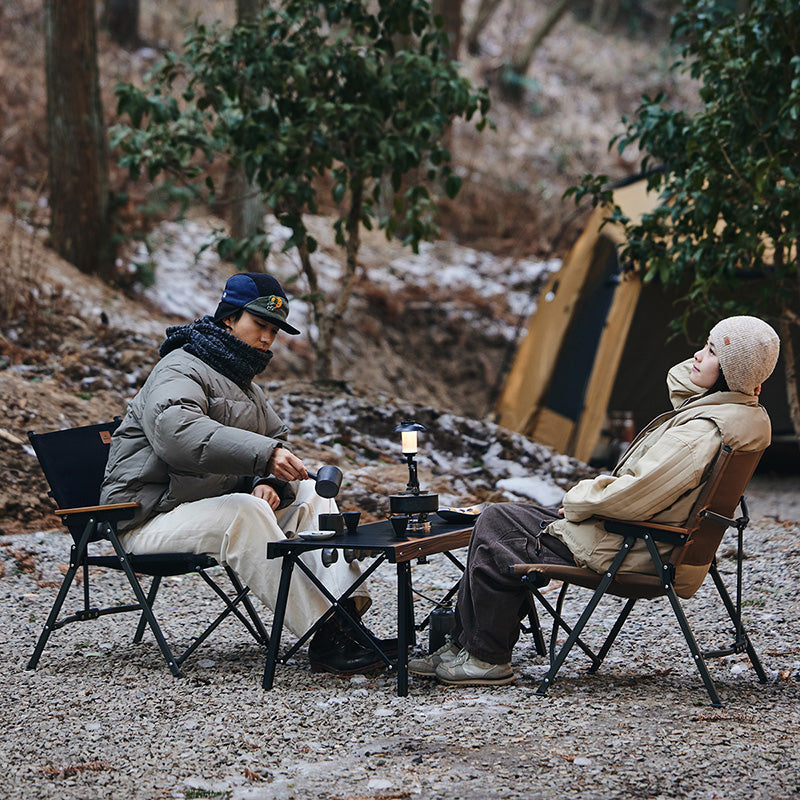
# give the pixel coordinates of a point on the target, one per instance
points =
(190, 433)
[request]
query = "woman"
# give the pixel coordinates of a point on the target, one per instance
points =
(715, 402)
(205, 455)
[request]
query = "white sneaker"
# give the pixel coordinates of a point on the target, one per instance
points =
(467, 670)
(426, 667)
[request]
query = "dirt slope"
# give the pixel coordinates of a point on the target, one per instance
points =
(72, 349)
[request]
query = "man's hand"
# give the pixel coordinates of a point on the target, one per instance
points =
(266, 492)
(286, 465)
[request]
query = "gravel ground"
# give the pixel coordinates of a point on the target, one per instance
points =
(102, 717)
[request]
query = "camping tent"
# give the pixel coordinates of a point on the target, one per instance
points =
(599, 345)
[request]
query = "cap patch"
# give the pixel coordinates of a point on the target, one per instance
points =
(272, 306)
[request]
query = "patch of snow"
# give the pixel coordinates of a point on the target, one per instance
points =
(532, 487)
(188, 279)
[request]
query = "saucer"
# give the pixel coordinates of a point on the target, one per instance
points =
(316, 536)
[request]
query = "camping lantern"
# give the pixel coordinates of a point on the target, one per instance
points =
(412, 502)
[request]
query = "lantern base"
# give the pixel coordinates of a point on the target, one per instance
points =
(413, 503)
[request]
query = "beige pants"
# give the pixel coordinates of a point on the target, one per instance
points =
(235, 529)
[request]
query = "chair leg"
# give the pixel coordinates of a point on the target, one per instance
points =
(52, 617)
(151, 598)
(76, 558)
(536, 629)
(573, 637)
(231, 604)
(259, 632)
(742, 639)
(558, 622)
(693, 647)
(683, 622)
(623, 615)
(560, 657)
(147, 612)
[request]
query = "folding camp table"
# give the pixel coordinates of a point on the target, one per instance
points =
(379, 540)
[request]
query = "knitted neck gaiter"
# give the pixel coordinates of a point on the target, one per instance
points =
(218, 348)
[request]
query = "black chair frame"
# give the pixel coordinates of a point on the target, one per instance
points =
(635, 587)
(73, 462)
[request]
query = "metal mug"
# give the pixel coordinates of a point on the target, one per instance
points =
(328, 480)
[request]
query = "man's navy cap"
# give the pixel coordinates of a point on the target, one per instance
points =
(258, 293)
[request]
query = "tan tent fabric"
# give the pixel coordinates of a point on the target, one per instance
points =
(589, 286)
(599, 342)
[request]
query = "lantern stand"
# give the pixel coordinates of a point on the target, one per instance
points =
(413, 503)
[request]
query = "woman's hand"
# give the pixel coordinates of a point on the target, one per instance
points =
(286, 465)
(266, 492)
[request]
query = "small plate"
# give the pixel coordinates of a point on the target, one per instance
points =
(316, 536)
(468, 514)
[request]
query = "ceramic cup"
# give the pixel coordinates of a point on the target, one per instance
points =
(351, 519)
(399, 524)
(331, 522)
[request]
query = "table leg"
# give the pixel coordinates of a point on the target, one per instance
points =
(277, 621)
(412, 626)
(405, 623)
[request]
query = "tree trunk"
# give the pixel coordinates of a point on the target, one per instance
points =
(248, 10)
(482, 17)
(246, 212)
(246, 202)
(121, 19)
(604, 14)
(520, 63)
(328, 320)
(451, 14)
(788, 355)
(80, 225)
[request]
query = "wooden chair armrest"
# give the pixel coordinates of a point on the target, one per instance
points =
(522, 569)
(625, 584)
(660, 531)
(657, 526)
(111, 507)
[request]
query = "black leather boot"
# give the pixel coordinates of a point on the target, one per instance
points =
(389, 646)
(333, 649)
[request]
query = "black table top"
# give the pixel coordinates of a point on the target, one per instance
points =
(380, 536)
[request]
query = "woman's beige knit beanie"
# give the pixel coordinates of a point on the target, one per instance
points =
(747, 349)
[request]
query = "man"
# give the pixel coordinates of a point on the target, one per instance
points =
(206, 456)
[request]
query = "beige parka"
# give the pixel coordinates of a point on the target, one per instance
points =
(660, 475)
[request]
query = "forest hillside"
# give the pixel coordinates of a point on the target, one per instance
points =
(433, 333)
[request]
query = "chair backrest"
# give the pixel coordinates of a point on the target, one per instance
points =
(721, 494)
(74, 462)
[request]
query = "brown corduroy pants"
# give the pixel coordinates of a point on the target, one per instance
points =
(491, 601)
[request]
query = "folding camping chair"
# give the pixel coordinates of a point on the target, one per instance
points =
(73, 462)
(692, 557)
